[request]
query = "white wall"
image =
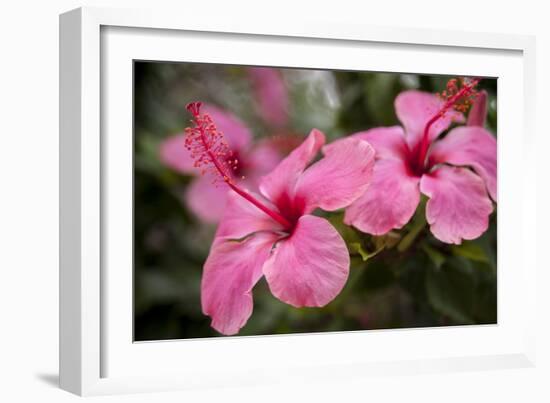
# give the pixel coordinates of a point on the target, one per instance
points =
(29, 201)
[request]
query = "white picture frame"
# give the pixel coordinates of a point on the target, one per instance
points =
(97, 355)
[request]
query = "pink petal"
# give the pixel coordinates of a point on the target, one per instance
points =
(230, 272)
(459, 206)
(206, 199)
(389, 202)
(241, 218)
(310, 267)
(415, 108)
(236, 133)
(478, 113)
(472, 146)
(174, 154)
(388, 142)
(339, 178)
(281, 181)
(262, 159)
(271, 95)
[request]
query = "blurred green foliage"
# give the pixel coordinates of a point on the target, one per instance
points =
(406, 278)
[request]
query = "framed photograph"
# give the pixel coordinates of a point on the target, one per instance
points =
(238, 197)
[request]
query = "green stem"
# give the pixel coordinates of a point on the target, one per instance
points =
(408, 239)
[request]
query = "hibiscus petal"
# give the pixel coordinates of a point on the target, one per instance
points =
(230, 272)
(310, 267)
(388, 142)
(206, 199)
(282, 179)
(459, 206)
(478, 112)
(236, 133)
(473, 146)
(415, 108)
(271, 94)
(241, 218)
(173, 153)
(262, 159)
(339, 178)
(389, 202)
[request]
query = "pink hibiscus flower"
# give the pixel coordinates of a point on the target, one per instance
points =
(303, 258)
(271, 95)
(458, 173)
(255, 160)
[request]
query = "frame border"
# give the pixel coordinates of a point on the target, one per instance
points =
(80, 307)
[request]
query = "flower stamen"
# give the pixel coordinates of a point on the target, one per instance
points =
(211, 153)
(456, 96)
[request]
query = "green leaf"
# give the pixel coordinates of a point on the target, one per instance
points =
(435, 256)
(418, 224)
(470, 250)
(387, 241)
(451, 290)
(346, 232)
(358, 248)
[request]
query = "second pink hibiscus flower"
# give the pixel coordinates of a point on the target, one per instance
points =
(457, 173)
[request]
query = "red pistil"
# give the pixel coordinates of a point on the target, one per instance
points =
(457, 98)
(211, 153)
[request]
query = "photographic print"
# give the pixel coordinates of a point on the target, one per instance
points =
(281, 200)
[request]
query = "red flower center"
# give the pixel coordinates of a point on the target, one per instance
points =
(291, 208)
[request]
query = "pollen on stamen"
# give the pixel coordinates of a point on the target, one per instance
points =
(459, 93)
(208, 147)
